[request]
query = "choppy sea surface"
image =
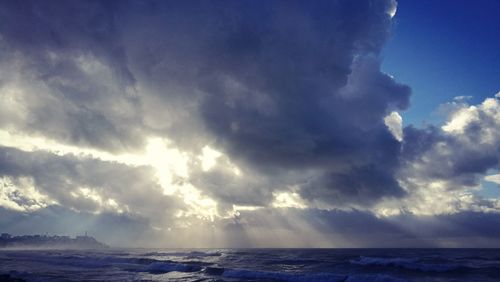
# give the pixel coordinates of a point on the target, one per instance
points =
(253, 265)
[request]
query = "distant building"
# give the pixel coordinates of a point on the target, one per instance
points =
(5, 236)
(55, 241)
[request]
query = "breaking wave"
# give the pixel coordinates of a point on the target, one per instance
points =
(164, 267)
(255, 265)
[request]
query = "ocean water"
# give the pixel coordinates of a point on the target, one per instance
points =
(253, 265)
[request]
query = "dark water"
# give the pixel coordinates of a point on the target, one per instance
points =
(254, 265)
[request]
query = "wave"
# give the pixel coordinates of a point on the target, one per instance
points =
(406, 263)
(283, 276)
(192, 254)
(215, 271)
(293, 261)
(374, 278)
(132, 264)
(160, 267)
(164, 267)
(89, 261)
(306, 277)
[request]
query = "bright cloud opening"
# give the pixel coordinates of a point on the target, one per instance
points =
(288, 200)
(209, 157)
(395, 124)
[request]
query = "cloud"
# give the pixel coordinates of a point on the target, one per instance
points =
(278, 117)
(65, 75)
(233, 117)
(395, 124)
(20, 195)
(85, 184)
(279, 88)
(442, 168)
(472, 141)
(354, 228)
(495, 178)
(462, 98)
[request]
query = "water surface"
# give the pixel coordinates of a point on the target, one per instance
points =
(253, 265)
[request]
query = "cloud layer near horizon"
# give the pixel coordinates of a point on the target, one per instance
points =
(160, 117)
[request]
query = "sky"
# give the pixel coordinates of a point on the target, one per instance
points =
(444, 50)
(252, 123)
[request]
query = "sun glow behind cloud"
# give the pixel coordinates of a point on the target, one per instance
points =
(170, 165)
(172, 170)
(288, 200)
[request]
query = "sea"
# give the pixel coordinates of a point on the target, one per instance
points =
(251, 265)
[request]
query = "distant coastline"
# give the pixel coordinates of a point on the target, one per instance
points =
(8, 241)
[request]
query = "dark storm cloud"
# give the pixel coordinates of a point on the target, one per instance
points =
(47, 41)
(64, 27)
(278, 86)
(296, 95)
(359, 185)
(309, 128)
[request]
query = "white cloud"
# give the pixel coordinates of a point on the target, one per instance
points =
(288, 200)
(485, 115)
(495, 178)
(33, 143)
(461, 119)
(443, 177)
(209, 157)
(102, 203)
(393, 8)
(432, 198)
(462, 99)
(394, 122)
(169, 163)
(20, 194)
